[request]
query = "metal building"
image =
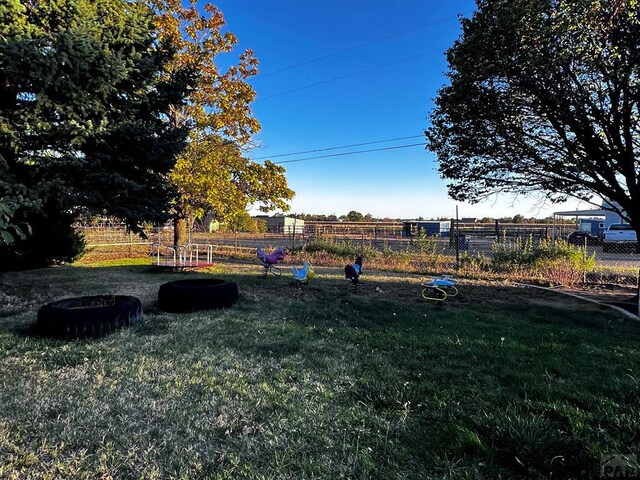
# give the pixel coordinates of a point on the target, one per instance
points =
(438, 228)
(286, 225)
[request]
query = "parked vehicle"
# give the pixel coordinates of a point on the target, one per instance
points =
(579, 237)
(618, 236)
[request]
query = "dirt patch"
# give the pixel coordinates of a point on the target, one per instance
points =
(562, 303)
(406, 287)
(610, 294)
(605, 292)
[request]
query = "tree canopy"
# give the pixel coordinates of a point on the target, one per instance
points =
(543, 97)
(212, 175)
(84, 103)
(220, 102)
(354, 216)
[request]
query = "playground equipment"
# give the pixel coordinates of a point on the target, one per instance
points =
(303, 274)
(438, 289)
(353, 272)
(190, 255)
(270, 260)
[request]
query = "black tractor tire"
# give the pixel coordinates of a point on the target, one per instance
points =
(196, 294)
(91, 316)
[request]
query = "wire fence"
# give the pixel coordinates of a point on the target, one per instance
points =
(512, 253)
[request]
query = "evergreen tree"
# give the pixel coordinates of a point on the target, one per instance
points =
(84, 106)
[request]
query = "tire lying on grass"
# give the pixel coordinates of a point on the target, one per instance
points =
(196, 294)
(91, 316)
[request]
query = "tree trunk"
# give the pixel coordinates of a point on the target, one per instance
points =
(179, 231)
(633, 216)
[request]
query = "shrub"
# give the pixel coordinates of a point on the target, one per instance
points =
(53, 241)
(346, 250)
(558, 262)
(395, 259)
(510, 254)
(429, 250)
(474, 263)
(563, 263)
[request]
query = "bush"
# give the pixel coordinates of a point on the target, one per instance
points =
(396, 259)
(559, 261)
(474, 263)
(425, 244)
(53, 241)
(346, 250)
(511, 254)
(429, 250)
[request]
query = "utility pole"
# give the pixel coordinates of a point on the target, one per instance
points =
(457, 239)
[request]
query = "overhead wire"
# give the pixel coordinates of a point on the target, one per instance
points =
(355, 47)
(361, 45)
(397, 147)
(337, 148)
(286, 92)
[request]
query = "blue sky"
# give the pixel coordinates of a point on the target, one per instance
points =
(383, 103)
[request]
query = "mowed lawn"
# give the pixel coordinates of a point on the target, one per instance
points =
(317, 382)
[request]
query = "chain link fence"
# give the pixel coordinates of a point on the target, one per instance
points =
(517, 253)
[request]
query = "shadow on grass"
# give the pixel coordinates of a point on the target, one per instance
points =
(498, 382)
(326, 298)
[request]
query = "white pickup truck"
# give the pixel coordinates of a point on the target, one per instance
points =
(617, 236)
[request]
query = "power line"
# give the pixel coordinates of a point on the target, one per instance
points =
(337, 148)
(351, 153)
(361, 45)
(351, 74)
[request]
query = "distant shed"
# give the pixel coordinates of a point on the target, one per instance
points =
(593, 225)
(437, 228)
(285, 225)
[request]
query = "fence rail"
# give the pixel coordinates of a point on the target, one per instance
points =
(618, 264)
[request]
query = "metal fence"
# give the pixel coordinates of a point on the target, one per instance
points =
(481, 250)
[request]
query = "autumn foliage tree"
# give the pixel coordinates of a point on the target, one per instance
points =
(212, 175)
(544, 96)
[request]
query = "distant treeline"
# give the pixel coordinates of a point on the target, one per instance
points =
(354, 216)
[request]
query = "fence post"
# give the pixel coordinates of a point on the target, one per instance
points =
(293, 237)
(638, 293)
(584, 260)
(452, 232)
(457, 240)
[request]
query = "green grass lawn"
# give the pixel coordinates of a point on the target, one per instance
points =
(317, 382)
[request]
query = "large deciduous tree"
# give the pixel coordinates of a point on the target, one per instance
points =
(211, 175)
(84, 107)
(544, 97)
(354, 216)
